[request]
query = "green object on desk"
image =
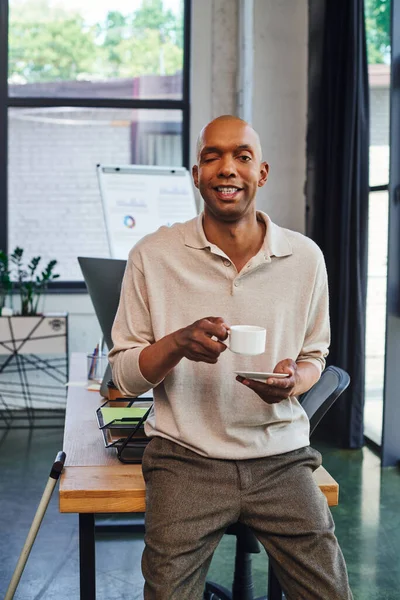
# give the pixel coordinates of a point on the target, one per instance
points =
(122, 414)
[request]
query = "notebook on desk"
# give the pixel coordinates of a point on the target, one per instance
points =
(103, 278)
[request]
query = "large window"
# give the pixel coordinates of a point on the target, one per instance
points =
(378, 41)
(83, 83)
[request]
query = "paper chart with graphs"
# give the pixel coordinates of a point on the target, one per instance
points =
(137, 200)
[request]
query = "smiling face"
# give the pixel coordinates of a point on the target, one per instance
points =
(229, 168)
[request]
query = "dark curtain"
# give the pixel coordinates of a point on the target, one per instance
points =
(337, 191)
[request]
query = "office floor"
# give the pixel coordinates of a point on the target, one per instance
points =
(367, 525)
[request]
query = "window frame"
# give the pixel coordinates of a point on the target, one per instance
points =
(7, 102)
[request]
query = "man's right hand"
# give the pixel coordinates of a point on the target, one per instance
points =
(195, 341)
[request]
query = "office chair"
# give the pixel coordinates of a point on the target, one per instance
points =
(316, 402)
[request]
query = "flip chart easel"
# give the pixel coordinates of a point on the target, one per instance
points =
(138, 199)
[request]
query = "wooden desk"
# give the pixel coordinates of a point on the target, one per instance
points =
(95, 481)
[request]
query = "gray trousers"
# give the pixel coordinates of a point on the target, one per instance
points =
(190, 501)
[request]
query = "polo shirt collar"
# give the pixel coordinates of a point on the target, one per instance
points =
(194, 233)
(275, 243)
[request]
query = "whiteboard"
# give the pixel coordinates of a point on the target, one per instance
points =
(138, 199)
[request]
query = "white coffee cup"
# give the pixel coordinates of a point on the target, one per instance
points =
(248, 340)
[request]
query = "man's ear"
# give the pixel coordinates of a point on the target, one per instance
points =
(195, 175)
(264, 170)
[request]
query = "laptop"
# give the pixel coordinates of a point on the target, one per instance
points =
(103, 278)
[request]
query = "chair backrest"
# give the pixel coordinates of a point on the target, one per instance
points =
(318, 400)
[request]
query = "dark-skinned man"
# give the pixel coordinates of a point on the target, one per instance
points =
(225, 448)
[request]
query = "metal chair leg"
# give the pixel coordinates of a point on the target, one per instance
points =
(243, 585)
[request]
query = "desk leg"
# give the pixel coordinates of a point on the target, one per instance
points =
(274, 587)
(87, 564)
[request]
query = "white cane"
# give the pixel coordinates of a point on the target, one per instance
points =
(55, 473)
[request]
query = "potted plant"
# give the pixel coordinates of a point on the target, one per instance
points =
(28, 335)
(29, 324)
(28, 331)
(31, 285)
(5, 279)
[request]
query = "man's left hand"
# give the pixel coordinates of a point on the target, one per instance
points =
(275, 390)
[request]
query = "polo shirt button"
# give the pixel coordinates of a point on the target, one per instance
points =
(227, 263)
(236, 284)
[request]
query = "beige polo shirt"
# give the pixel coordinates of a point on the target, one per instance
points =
(174, 277)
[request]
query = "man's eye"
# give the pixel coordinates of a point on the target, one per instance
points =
(244, 157)
(210, 159)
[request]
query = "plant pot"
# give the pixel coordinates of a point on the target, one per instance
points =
(39, 334)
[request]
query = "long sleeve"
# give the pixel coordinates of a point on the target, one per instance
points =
(132, 331)
(317, 337)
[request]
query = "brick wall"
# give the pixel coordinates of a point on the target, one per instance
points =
(54, 202)
(379, 136)
(379, 111)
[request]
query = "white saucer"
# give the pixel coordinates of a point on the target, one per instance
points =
(261, 376)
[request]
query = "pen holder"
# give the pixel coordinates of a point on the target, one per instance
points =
(96, 366)
(113, 392)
